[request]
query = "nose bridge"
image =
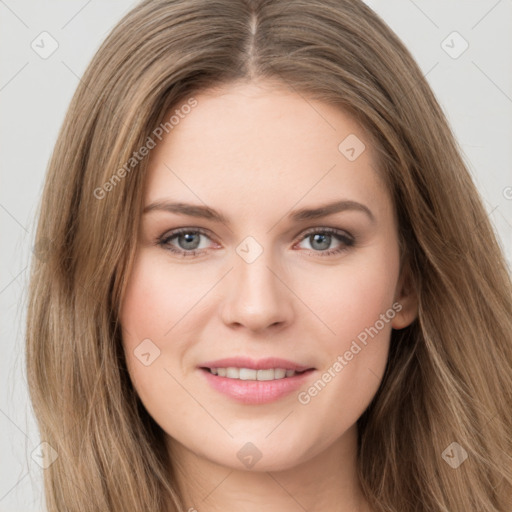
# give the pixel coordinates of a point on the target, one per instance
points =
(257, 298)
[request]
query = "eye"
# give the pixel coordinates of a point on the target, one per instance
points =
(186, 242)
(187, 239)
(321, 238)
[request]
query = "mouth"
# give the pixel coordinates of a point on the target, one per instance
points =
(255, 382)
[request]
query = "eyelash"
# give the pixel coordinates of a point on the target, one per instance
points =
(342, 236)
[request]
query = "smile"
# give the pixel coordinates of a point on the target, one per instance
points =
(251, 374)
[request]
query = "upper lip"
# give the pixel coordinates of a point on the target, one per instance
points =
(260, 364)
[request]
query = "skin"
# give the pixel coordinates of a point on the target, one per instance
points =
(255, 152)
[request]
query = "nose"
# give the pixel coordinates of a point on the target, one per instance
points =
(257, 295)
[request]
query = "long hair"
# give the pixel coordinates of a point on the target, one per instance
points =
(447, 390)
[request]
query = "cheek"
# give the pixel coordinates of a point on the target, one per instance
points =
(152, 313)
(363, 295)
(357, 305)
(353, 295)
(155, 301)
(145, 316)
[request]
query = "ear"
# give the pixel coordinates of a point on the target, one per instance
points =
(407, 297)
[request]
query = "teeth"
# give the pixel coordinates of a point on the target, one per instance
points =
(269, 374)
(279, 373)
(244, 374)
(232, 373)
(250, 374)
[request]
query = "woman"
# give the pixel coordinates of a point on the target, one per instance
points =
(257, 368)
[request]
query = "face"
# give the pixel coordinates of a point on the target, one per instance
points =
(257, 269)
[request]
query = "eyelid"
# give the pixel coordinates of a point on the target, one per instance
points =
(325, 229)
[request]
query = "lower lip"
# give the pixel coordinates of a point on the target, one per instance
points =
(255, 392)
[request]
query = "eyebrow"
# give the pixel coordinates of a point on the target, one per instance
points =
(303, 214)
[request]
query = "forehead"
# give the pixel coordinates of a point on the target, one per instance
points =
(258, 145)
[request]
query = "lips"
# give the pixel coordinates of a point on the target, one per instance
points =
(254, 392)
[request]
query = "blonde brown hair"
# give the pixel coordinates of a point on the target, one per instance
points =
(449, 374)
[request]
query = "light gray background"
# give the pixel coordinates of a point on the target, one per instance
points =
(475, 91)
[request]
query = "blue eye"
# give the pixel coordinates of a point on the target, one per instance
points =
(188, 241)
(322, 238)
